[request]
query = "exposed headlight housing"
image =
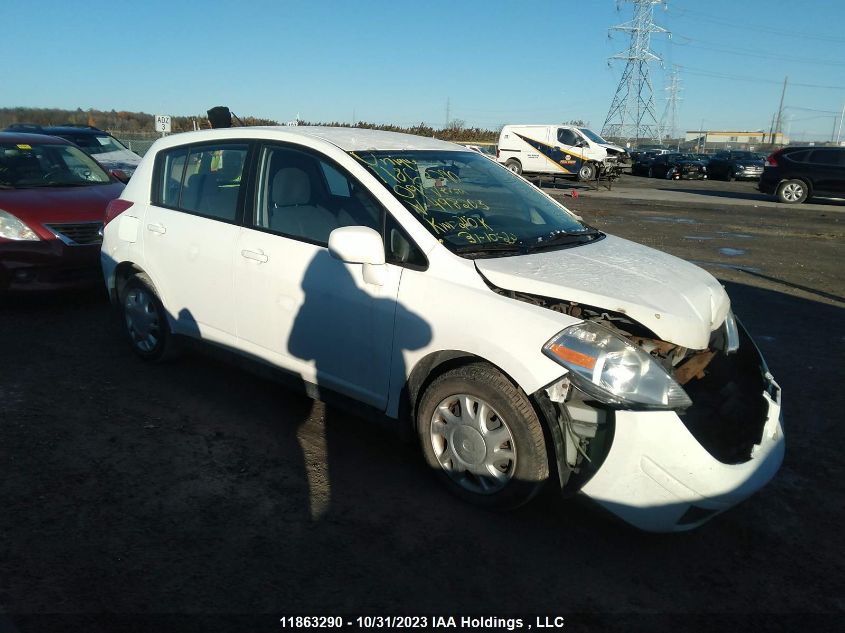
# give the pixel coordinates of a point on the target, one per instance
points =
(613, 370)
(11, 228)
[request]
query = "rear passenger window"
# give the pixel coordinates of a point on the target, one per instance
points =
(827, 157)
(798, 157)
(305, 197)
(205, 179)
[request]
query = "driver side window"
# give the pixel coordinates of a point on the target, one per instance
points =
(567, 136)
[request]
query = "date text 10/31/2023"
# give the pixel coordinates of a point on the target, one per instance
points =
(424, 622)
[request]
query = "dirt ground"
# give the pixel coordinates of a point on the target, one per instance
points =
(197, 488)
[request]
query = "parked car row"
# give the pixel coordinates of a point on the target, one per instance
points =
(791, 174)
(669, 165)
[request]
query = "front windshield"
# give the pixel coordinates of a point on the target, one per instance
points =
(96, 143)
(595, 138)
(27, 165)
(469, 202)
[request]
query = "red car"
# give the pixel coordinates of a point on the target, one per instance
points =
(53, 200)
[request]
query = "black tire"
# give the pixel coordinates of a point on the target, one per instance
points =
(792, 192)
(144, 320)
(514, 165)
(587, 172)
(518, 480)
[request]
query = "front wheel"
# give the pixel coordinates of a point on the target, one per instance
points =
(791, 192)
(482, 437)
(587, 172)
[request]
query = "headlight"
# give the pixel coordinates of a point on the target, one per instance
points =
(613, 370)
(13, 229)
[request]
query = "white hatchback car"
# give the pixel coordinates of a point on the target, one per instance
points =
(425, 284)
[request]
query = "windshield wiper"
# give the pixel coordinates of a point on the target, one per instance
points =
(490, 248)
(564, 239)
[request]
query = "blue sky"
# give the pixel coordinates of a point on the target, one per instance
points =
(400, 61)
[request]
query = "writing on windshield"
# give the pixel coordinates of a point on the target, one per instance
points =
(463, 198)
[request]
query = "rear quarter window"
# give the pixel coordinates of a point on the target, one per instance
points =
(830, 156)
(797, 157)
(202, 179)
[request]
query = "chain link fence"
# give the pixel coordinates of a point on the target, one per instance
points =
(138, 142)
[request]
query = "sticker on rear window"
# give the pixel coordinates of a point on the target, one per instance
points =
(24, 146)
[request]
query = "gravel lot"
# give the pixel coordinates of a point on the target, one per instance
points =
(196, 488)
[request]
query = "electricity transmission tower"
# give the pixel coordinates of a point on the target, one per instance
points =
(631, 115)
(669, 120)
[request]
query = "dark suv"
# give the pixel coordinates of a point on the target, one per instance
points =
(794, 174)
(102, 146)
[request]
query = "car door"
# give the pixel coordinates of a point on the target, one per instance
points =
(570, 150)
(658, 166)
(296, 305)
(189, 232)
(826, 167)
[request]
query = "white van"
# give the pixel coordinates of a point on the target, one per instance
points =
(554, 149)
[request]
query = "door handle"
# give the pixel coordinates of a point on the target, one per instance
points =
(157, 228)
(256, 256)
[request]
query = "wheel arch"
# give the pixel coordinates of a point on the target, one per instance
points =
(434, 365)
(122, 272)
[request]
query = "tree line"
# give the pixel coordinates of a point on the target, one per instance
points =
(123, 122)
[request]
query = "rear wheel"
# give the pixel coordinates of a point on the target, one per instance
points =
(145, 320)
(791, 192)
(514, 165)
(482, 437)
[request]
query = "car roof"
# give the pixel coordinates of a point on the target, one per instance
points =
(39, 139)
(346, 138)
(33, 128)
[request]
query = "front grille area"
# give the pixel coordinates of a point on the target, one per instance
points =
(77, 233)
(729, 411)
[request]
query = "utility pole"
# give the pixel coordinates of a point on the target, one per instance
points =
(780, 107)
(839, 131)
(447, 112)
(631, 114)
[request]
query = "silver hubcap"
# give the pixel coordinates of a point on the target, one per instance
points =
(473, 444)
(514, 168)
(141, 319)
(586, 173)
(793, 192)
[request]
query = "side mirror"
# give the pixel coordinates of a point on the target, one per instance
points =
(121, 175)
(356, 245)
(360, 245)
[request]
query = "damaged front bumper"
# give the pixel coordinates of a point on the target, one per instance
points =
(663, 471)
(657, 476)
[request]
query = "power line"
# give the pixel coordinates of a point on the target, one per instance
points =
(746, 78)
(698, 17)
(747, 52)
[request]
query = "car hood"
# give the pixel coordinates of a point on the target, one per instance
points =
(42, 205)
(698, 163)
(678, 301)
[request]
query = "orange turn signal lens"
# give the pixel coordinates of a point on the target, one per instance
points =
(571, 356)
